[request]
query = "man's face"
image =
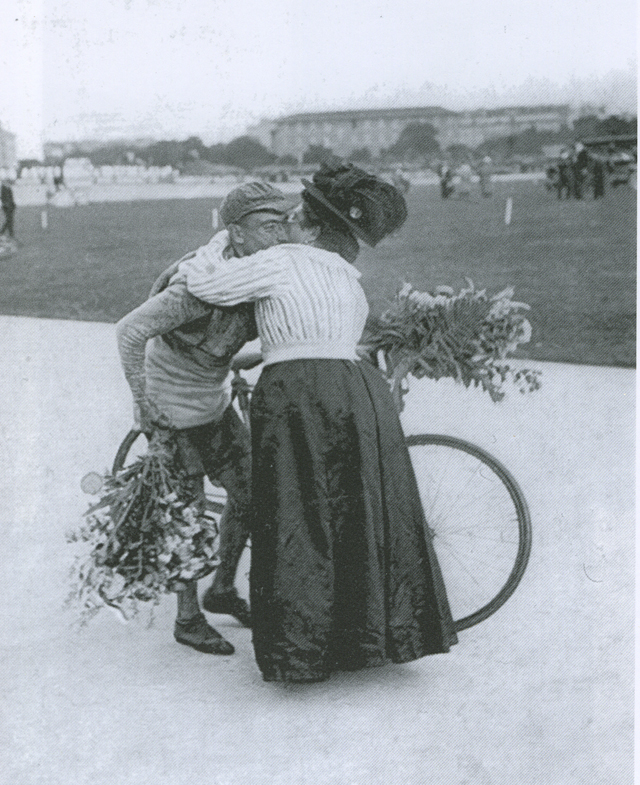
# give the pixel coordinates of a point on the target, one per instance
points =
(258, 231)
(295, 230)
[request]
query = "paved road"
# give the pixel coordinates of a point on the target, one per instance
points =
(540, 694)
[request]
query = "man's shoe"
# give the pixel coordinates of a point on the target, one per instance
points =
(201, 637)
(227, 602)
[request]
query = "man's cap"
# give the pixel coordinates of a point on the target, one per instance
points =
(253, 198)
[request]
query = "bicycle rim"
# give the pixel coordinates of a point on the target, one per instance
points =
(135, 442)
(478, 520)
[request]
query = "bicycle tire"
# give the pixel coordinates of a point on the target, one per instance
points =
(504, 480)
(489, 491)
(215, 505)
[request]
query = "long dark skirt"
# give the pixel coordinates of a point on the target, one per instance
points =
(342, 576)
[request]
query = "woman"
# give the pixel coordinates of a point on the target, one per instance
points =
(342, 576)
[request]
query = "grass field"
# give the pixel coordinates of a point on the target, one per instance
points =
(573, 262)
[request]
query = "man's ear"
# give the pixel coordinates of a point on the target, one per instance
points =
(236, 235)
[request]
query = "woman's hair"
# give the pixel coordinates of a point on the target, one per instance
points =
(334, 235)
(346, 202)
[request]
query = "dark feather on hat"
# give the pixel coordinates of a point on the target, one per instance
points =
(369, 206)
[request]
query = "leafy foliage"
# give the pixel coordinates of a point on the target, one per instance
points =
(529, 142)
(317, 154)
(465, 336)
(146, 536)
(247, 152)
(416, 140)
(287, 160)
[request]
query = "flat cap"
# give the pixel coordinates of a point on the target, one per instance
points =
(253, 198)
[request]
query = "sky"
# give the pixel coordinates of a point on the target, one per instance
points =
(73, 69)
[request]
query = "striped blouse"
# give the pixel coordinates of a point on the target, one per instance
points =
(309, 303)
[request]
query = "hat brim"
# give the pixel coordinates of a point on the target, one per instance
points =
(357, 230)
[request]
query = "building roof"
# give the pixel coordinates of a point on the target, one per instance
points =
(415, 112)
(369, 114)
(522, 110)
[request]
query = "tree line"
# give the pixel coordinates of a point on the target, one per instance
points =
(417, 143)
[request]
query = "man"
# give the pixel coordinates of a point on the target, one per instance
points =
(565, 176)
(580, 162)
(464, 173)
(176, 353)
(484, 177)
(446, 181)
(597, 175)
(8, 207)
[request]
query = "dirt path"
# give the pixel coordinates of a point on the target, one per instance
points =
(541, 694)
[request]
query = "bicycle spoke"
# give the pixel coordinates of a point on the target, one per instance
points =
(465, 568)
(475, 535)
(437, 485)
(481, 562)
(477, 520)
(460, 491)
(480, 495)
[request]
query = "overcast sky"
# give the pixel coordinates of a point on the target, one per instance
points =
(173, 68)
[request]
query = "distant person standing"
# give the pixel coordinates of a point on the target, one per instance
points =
(400, 181)
(485, 176)
(580, 162)
(597, 176)
(446, 181)
(8, 208)
(464, 173)
(565, 171)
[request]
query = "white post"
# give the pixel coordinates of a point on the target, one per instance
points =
(214, 219)
(44, 219)
(508, 210)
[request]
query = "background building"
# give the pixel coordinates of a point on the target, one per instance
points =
(58, 151)
(379, 129)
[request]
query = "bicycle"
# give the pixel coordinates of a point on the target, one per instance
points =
(477, 516)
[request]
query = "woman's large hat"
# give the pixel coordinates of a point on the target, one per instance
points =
(369, 206)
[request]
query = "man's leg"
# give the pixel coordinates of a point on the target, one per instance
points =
(226, 456)
(188, 606)
(234, 522)
(191, 627)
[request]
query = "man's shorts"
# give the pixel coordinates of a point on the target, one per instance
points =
(215, 448)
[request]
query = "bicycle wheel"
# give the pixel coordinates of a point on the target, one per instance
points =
(134, 444)
(478, 520)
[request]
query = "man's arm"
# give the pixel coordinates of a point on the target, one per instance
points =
(161, 313)
(244, 361)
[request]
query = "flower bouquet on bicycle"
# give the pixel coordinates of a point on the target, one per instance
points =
(146, 536)
(465, 336)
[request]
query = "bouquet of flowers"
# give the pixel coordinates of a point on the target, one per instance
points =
(466, 336)
(146, 536)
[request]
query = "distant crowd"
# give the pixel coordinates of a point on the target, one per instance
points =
(579, 171)
(459, 180)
